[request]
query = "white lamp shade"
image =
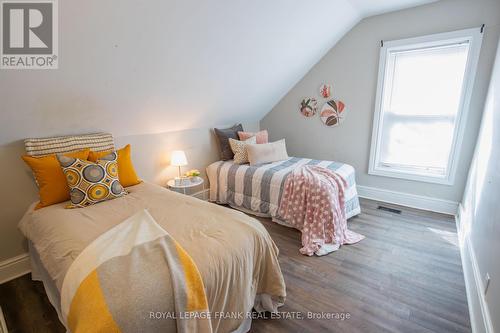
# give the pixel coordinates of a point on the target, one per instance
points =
(178, 158)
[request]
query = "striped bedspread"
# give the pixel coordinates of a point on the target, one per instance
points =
(258, 189)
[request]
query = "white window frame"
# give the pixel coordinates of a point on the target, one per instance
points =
(474, 37)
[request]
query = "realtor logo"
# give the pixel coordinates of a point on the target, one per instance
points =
(29, 35)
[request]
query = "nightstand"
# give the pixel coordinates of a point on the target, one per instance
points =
(185, 189)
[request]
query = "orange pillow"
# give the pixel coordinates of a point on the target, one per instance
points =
(52, 185)
(126, 171)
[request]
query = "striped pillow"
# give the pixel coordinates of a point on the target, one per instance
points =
(67, 144)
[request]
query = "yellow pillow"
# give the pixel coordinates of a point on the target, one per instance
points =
(126, 171)
(52, 185)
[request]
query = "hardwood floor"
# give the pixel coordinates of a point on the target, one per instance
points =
(26, 307)
(406, 276)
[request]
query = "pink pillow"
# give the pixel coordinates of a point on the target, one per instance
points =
(262, 136)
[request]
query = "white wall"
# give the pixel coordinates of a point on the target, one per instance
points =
(480, 214)
(352, 65)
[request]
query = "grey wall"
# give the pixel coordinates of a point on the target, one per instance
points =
(480, 215)
(352, 67)
(150, 154)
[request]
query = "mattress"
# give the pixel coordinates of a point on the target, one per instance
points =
(234, 253)
(258, 189)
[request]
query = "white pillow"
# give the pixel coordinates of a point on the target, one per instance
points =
(267, 152)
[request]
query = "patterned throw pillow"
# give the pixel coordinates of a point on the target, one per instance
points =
(240, 150)
(90, 182)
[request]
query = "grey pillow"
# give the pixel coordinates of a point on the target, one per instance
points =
(223, 135)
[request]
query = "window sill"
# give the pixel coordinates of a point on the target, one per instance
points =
(389, 172)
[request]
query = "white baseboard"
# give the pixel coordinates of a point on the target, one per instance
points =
(14, 267)
(478, 307)
(408, 200)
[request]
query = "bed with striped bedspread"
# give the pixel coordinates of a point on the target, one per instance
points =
(258, 189)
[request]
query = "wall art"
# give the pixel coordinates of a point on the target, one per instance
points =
(333, 112)
(308, 106)
(326, 90)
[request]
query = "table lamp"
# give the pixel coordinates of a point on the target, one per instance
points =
(178, 159)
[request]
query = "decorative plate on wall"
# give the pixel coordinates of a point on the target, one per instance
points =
(326, 90)
(333, 112)
(308, 106)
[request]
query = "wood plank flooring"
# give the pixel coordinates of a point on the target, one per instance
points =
(406, 276)
(26, 307)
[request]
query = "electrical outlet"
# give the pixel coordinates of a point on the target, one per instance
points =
(486, 282)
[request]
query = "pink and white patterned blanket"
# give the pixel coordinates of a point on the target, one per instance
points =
(313, 202)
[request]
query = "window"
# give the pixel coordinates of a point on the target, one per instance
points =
(423, 96)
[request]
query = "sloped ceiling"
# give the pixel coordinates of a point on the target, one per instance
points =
(375, 7)
(137, 67)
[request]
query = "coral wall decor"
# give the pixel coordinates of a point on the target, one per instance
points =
(308, 106)
(333, 112)
(325, 90)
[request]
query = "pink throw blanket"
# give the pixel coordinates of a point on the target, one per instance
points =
(313, 202)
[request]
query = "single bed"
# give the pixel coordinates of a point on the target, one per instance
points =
(258, 189)
(233, 252)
